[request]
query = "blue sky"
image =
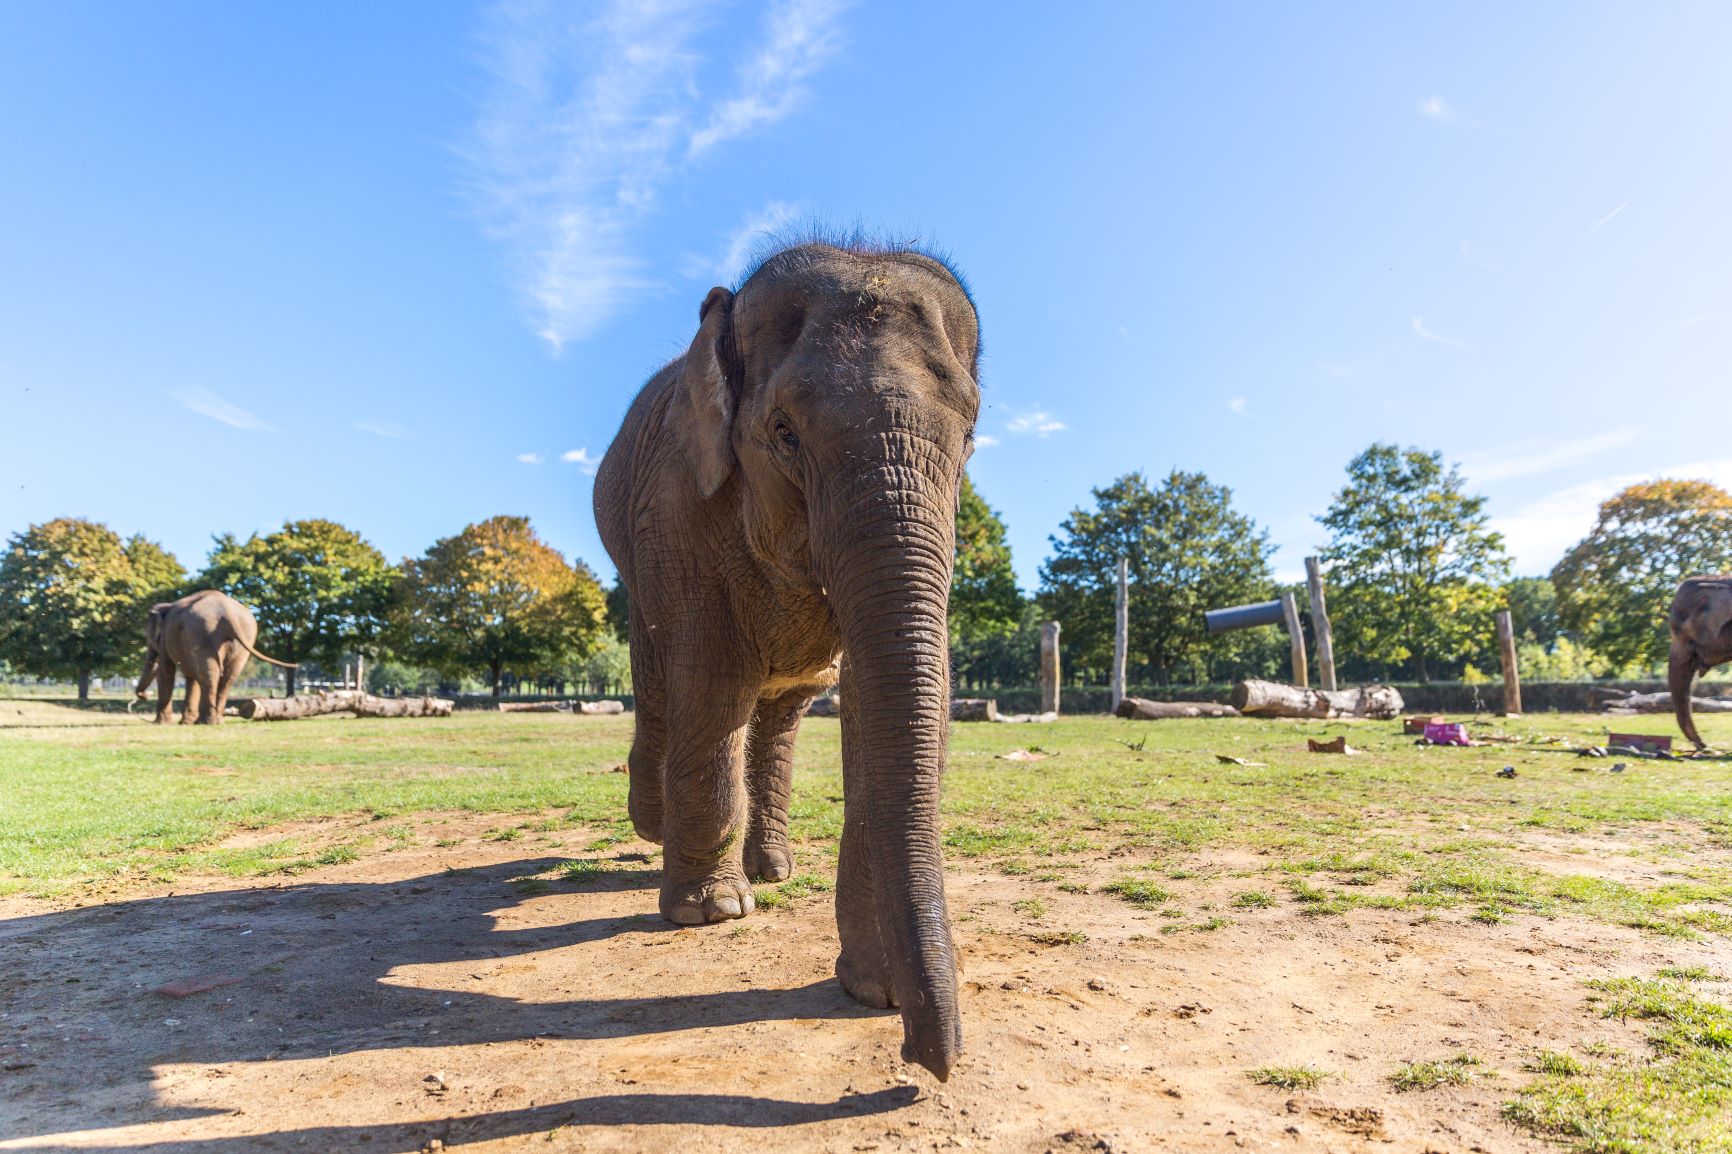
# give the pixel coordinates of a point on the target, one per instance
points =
(404, 265)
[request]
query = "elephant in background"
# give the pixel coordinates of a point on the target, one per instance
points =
(1701, 639)
(207, 636)
(781, 497)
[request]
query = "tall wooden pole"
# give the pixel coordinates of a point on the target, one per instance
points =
(1320, 623)
(1121, 632)
(1512, 683)
(1049, 672)
(1295, 639)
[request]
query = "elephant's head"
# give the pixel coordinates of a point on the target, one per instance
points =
(834, 399)
(1701, 639)
(152, 647)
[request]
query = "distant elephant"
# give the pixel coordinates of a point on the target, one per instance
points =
(781, 495)
(207, 636)
(1701, 639)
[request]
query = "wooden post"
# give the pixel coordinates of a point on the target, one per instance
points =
(1049, 679)
(1121, 632)
(1512, 682)
(1295, 639)
(360, 673)
(1320, 623)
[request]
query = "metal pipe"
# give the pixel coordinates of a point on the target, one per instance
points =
(1243, 617)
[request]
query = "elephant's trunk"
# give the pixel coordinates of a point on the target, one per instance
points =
(149, 673)
(1680, 673)
(889, 581)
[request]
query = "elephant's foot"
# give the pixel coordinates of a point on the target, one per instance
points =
(767, 856)
(867, 981)
(717, 897)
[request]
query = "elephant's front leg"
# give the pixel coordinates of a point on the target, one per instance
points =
(165, 692)
(193, 702)
(769, 782)
(704, 819)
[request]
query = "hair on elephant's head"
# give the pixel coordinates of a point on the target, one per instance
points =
(1701, 623)
(152, 646)
(833, 396)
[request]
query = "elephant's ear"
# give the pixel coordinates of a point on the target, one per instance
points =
(1716, 611)
(701, 415)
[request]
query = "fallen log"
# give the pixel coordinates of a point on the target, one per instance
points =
(1271, 699)
(1142, 709)
(532, 707)
(1662, 703)
(339, 701)
(974, 709)
(600, 707)
(825, 707)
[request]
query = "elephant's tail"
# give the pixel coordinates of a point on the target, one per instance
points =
(262, 657)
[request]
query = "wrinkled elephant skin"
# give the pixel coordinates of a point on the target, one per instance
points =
(780, 502)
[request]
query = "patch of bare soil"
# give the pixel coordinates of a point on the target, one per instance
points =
(392, 1005)
(1647, 856)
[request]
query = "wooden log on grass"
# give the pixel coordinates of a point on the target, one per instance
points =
(339, 701)
(974, 709)
(599, 707)
(366, 705)
(1272, 699)
(1662, 703)
(533, 707)
(1142, 709)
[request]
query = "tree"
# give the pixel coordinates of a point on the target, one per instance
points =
(1533, 609)
(319, 590)
(985, 605)
(1413, 568)
(495, 596)
(1615, 586)
(619, 610)
(73, 598)
(1189, 551)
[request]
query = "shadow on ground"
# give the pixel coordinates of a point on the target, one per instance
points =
(308, 971)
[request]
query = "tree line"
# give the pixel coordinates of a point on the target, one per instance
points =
(1415, 576)
(493, 600)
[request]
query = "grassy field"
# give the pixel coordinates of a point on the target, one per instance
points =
(93, 798)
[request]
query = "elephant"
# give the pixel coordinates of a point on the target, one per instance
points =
(780, 503)
(1701, 623)
(208, 636)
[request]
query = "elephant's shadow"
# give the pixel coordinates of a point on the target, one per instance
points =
(80, 1002)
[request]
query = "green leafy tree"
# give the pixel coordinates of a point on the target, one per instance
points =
(986, 607)
(1533, 609)
(496, 597)
(1414, 570)
(73, 597)
(1189, 551)
(1615, 586)
(319, 590)
(619, 610)
(608, 668)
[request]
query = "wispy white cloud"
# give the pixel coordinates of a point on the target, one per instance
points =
(1036, 421)
(799, 35)
(1237, 406)
(1607, 219)
(529, 458)
(383, 429)
(743, 241)
(589, 113)
(985, 441)
(1531, 458)
(207, 404)
(1436, 108)
(582, 459)
(1422, 331)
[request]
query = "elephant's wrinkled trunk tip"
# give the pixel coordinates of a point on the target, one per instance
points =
(1680, 673)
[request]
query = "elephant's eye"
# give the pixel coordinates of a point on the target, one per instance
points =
(787, 436)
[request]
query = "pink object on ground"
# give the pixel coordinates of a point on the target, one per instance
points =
(1447, 733)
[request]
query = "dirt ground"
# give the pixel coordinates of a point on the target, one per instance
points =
(428, 998)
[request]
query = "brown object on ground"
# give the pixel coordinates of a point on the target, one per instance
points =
(340, 701)
(625, 1034)
(532, 707)
(201, 984)
(973, 709)
(1416, 725)
(1338, 745)
(1142, 709)
(1272, 699)
(1662, 703)
(1512, 682)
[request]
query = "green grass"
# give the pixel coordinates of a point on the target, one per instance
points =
(93, 795)
(1456, 1071)
(1676, 1099)
(1290, 1077)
